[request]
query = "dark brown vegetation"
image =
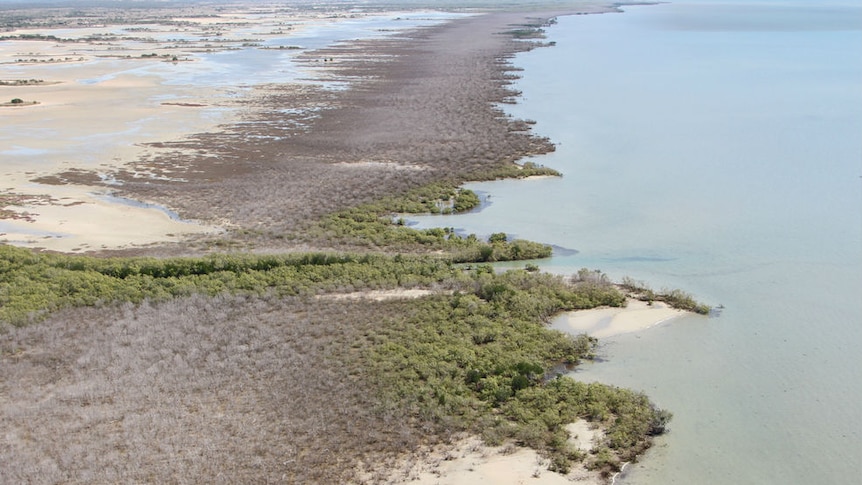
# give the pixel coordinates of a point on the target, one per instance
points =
(420, 109)
(9, 201)
(19, 102)
(21, 82)
(197, 390)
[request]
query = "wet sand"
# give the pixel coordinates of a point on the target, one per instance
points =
(101, 97)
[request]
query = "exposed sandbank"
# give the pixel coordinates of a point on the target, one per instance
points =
(96, 112)
(609, 322)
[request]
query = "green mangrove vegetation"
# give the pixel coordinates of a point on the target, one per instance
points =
(674, 297)
(33, 284)
(481, 359)
(365, 227)
(373, 226)
(475, 355)
(512, 171)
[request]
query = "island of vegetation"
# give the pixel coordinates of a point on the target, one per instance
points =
(21, 82)
(261, 354)
(19, 102)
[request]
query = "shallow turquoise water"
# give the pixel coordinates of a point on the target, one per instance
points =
(716, 148)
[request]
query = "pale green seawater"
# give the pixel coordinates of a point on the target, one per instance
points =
(714, 147)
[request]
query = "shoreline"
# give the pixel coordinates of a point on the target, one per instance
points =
(469, 461)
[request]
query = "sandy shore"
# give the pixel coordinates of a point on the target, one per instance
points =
(97, 109)
(89, 127)
(609, 322)
(469, 461)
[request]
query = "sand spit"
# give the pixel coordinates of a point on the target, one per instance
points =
(609, 322)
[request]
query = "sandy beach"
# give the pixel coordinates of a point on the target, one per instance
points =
(469, 462)
(609, 322)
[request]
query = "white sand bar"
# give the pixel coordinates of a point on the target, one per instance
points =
(608, 322)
